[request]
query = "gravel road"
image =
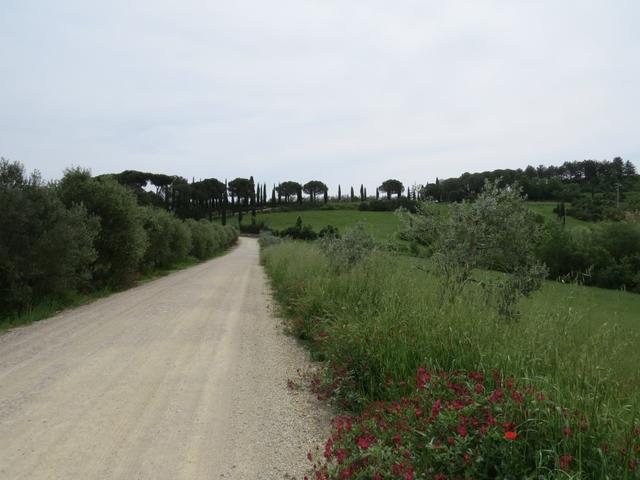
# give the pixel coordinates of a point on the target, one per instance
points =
(184, 377)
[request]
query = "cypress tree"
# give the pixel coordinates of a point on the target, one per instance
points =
(365, 193)
(326, 196)
(352, 195)
(251, 200)
(377, 193)
(273, 196)
(300, 195)
(339, 193)
(225, 200)
(361, 193)
(408, 193)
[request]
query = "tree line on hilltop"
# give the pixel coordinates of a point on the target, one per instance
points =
(563, 183)
(210, 197)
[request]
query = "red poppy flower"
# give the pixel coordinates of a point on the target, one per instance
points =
(510, 435)
(363, 443)
(565, 462)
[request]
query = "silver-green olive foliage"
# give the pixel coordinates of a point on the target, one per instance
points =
(495, 232)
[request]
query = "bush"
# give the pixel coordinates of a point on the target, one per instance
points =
(329, 231)
(169, 238)
(299, 231)
(595, 209)
(606, 255)
(45, 248)
(122, 242)
(203, 241)
(496, 232)
(343, 253)
(208, 238)
(252, 228)
(389, 205)
(268, 239)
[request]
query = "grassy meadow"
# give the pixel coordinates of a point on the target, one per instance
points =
(546, 210)
(381, 322)
(381, 225)
(573, 349)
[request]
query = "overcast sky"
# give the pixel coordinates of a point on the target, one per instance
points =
(346, 91)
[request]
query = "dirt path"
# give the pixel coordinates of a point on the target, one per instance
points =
(182, 378)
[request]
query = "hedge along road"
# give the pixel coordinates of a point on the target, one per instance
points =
(183, 377)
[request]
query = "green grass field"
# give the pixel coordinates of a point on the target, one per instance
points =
(595, 307)
(546, 210)
(382, 225)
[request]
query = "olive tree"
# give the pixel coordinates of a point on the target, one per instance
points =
(45, 248)
(345, 252)
(122, 242)
(496, 232)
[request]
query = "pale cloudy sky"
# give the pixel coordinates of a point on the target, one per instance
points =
(346, 91)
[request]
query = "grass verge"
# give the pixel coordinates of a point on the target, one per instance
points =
(559, 383)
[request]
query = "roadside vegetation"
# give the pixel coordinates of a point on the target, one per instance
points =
(443, 369)
(68, 242)
(446, 347)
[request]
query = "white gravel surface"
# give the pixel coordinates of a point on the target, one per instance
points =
(184, 377)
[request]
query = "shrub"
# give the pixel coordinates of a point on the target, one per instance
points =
(169, 238)
(329, 231)
(605, 255)
(595, 209)
(203, 242)
(268, 239)
(209, 238)
(122, 241)
(45, 248)
(253, 228)
(389, 205)
(343, 253)
(299, 231)
(496, 232)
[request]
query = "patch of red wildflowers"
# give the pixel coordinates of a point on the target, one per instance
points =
(565, 462)
(422, 378)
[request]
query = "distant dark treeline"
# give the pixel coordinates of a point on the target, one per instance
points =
(208, 198)
(211, 197)
(562, 184)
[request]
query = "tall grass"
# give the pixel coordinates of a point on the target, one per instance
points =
(386, 317)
